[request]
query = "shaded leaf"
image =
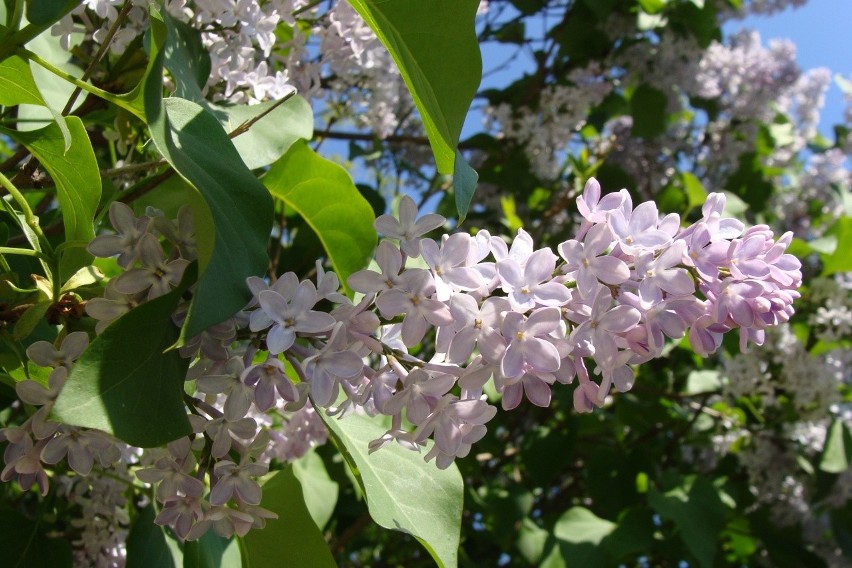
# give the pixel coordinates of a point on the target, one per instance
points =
(325, 196)
(271, 136)
(698, 513)
(30, 319)
(403, 492)
(234, 247)
(292, 539)
(23, 544)
(648, 108)
(579, 533)
(319, 491)
(148, 545)
(186, 59)
(464, 184)
(126, 383)
(212, 551)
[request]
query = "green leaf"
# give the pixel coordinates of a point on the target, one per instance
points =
(696, 195)
(840, 260)
(292, 539)
(464, 184)
(698, 513)
(703, 381)
(319, 490)
(24, 545)
(837, 452)
(271, 136)
(30, 319)
(234, 247)
(325, 196)
(78, 183)
(579, 533)
(403, 492)
(186, 59)
(433, 42)
(48, 11)
(531, 541)
(648, 108)
(212, 551)
(148, 545)
(652, 6)
(841, 526)
(127, 383)
(17, 85)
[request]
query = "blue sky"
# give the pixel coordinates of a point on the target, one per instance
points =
(822, 32)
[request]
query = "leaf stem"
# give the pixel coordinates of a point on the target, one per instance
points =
(23, 252)
(105, 95)
(29, 216)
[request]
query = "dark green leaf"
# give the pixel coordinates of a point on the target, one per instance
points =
(212, 551)
(30, 319)
(749, 183)
(148, 545)
(126, 383)
(841, 526)
(698, 513)
(648, 108)
(403, 492)
(234, 246)
(433, 42)
(78, 183)
(23, 544)
(41, 12)
(292, 539)
(464, 184)
(325, 196)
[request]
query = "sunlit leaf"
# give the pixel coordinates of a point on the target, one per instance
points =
(78, 182)
(323, 193)
(433, 42)
(403, 492)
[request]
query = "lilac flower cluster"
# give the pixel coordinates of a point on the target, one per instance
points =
(522, 317)
(473, 308)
